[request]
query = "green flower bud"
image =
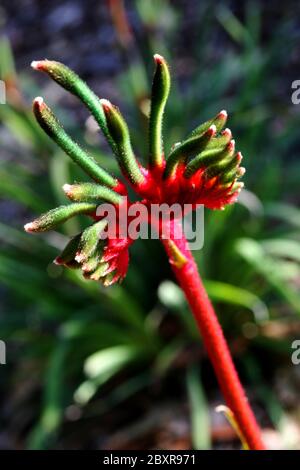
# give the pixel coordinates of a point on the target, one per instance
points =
(91, 192)
(70, 81)
(119, 131)
(67, 256)
(100, 272)
(224, 167)
(209, 157)
(53, 128)
(59, 215)
(160, 92)
(89, 241)
(220, 141)
(219, 121)
(190, 147)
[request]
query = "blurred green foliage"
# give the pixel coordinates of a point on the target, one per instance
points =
(72, 343)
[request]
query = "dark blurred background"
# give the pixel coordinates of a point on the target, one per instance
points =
(124, 367)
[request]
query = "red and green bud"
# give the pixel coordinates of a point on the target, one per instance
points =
(188, 148)
(220, 141)
(100, 260)
(232, 170)
(223, 167)
(89, 241)
(100, 272)
(90, 265)
(208, 158)
(219, 121)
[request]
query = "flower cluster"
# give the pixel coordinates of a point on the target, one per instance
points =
(202, 169)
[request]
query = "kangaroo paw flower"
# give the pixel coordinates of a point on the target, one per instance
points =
(202, 169)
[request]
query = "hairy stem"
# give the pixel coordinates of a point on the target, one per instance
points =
(187, 275)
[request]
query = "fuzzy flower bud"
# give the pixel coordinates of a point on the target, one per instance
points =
(70, 81)
(100, 258)
(159, 95)
(219, 121)
(87, 192)
(50, 124)
(119, 131)
(57, 216)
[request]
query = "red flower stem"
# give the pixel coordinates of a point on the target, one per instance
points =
(186, 272)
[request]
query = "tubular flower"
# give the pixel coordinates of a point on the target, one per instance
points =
(202, 169)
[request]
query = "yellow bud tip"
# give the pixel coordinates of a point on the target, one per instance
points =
(30, 227)
(107, 106)
(158, 58)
